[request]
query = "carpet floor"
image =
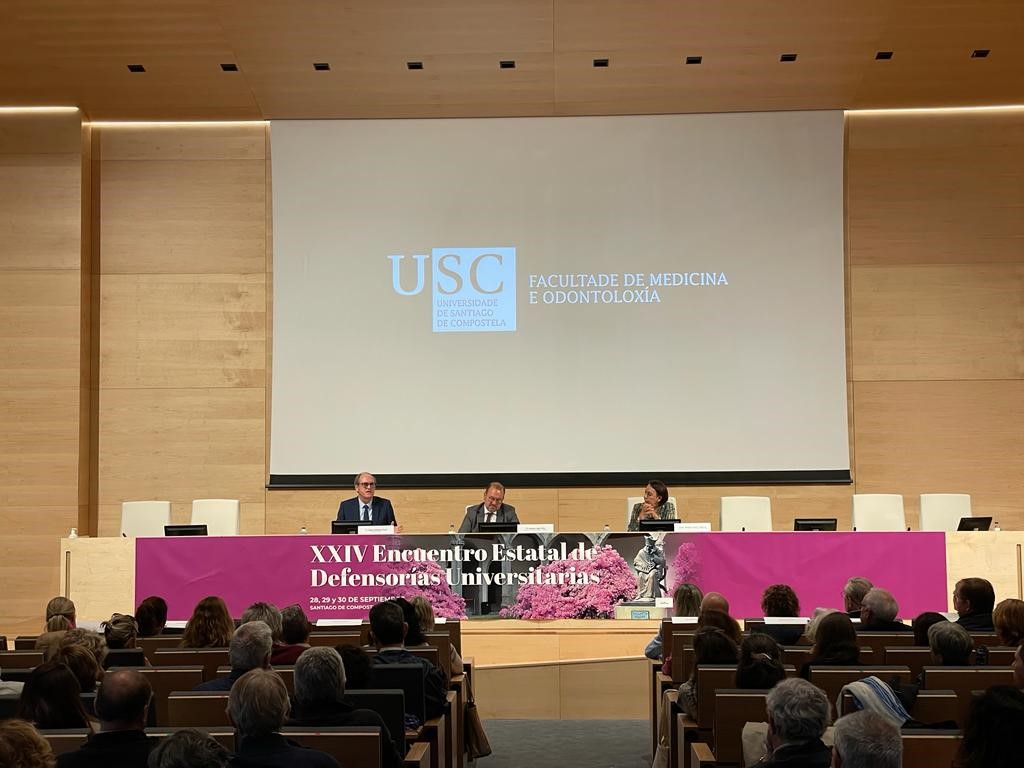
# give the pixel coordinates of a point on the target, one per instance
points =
(568, 743)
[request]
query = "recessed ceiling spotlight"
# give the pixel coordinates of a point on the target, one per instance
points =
(321, 66)
(883, 55)
(787, 57)
(229, 67)
(136, 68)
(414, 64)
(507, 64)
(601, 62)
(980, 53)
(694, 59)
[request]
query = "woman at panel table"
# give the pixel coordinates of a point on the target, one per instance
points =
(655, 506)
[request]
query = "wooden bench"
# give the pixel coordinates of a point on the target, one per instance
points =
(832, 679)
(930, 749)
(20, 659)
(187, 709)
(63, 740)
(164, 680)
(353, 747)
(929, 707)
(207, 658)
(966, 680)
(334, 639)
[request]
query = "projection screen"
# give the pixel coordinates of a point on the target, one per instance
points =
(561, 299)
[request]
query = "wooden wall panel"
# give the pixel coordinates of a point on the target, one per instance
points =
(40, 363)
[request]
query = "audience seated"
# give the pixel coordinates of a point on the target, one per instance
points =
(781, 600)
(994, 734)
(52, 698)
(711, 645)
(49, 642)
(835, 643)
(21, 746)
(878, 612)
(425, 613)
(120, 631)
(60, 614)
(760, 664)
(295, 629)
(387, 632)
(357, 663)
(866, 740)
(269, 615)
(1008, 621)
(973, 600)
(320, 700)
(122, 706)
(951, 644)
(188, 748)
(258, 706)
(249, 649)
(685, 602)
(798, 714)
(151, 616)
(853, 594)
(82, 665)
(720, 620)
(91, 641)
(210, 625)
(923, 623)
(714, 601)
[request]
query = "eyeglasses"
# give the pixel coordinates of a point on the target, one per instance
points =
(367, 485)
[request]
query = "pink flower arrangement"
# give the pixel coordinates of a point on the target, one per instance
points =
(685, 566)
(446, 603)
(590, 588)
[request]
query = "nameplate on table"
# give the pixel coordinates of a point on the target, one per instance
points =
(377, 530)
(692, 527)
(338, 622)
(785, 619)
(684, 619)
(176, 624)
(535, 528)
(663, 602)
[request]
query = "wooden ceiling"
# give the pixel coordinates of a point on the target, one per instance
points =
(77, 52)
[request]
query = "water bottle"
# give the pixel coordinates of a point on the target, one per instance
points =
(451, 528)
(995, 526)
(303, 531)
(73, 534)
(606, 528)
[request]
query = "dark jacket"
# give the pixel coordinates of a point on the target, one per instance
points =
(342, 713)
(275, 751)
(435, 687)
(113, 749)
(808, 754)
(977, 622)
(221, 683)
(885, 626)
(784, 634)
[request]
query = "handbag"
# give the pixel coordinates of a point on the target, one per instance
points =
(477, 744)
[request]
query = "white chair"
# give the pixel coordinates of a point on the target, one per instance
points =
(746, 513)
(878, 512)
(942, 511)
(220, 516)
(145, 518)
(632, 501)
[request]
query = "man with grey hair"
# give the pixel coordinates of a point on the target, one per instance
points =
(249, 649)
(951, 644)
(320, 700)
(268, 614)
(853, 594)
(258, 707)
(866, 740)
(798, 713)
(878, 613)
(189, 748)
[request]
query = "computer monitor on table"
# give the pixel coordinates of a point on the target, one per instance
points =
(343, 526)
(815, 524)
(185, 530)
(498, 527)
(974, 524)
(668, 524)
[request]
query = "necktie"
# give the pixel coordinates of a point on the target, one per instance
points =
(492, 517)
(366, 513)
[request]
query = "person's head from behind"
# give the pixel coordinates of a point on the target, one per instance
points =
(655, 493)
(58, 624)
(414, 632)
(834, 635)
(387, 624)
(1008, 620)
(151, 616)
(812, 624)
(250, 646)
(49, 643)
(994, 734)
(295, 626)
(973, 596)
(120, 631)
(494, 495)
(123, 700)
(878, 605)
(60, 606)
(714, 601)
(188, 748)
(722, 621)
(268, 614)
(922, 623)
(94, 642)
(357, 663)
(258, 704)
(51, 698)
(210, 625)
(760, 664)
(798, 711)
(1017, 665)
(713, 646)
(686, 600)
(319, 678)
(950, 643)
(21, 746)
(82, 664)
(866, 740)
(780, 600)
(424, 612)
(854, 591)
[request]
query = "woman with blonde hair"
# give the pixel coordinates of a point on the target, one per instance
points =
(21, 746)
(60, 614)
(425, 612)
(210, 626)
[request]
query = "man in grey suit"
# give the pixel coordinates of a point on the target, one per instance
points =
(492, 509)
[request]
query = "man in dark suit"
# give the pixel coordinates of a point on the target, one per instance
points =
(878, 613)
(366, 507)
(492, 509)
